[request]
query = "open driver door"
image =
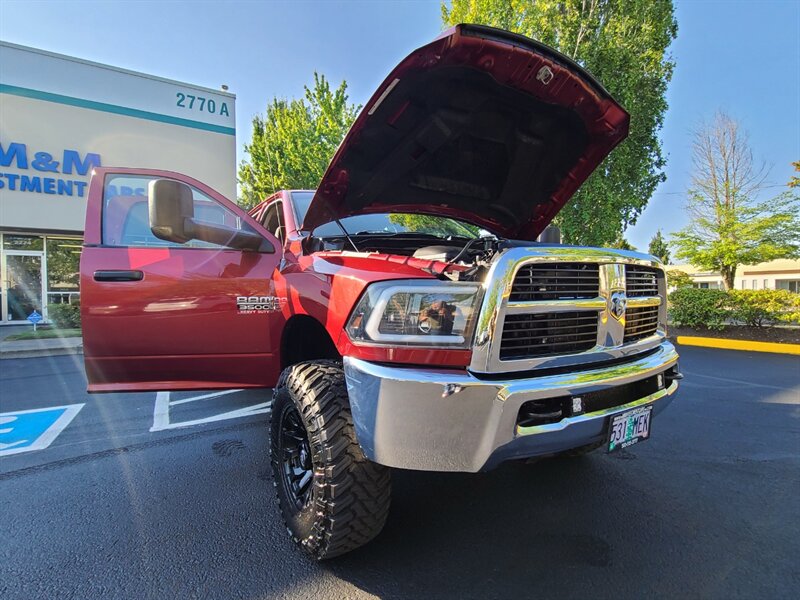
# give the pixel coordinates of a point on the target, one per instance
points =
(177, 287)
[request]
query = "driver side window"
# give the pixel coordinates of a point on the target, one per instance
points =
(126, 220)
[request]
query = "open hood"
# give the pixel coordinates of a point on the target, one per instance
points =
(483, 125)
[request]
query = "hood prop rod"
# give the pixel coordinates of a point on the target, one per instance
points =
(347, 235)
(339, 223)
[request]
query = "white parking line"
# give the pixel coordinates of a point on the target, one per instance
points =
(203, 397)
(161, 420)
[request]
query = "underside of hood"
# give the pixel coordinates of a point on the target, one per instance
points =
(481, 125)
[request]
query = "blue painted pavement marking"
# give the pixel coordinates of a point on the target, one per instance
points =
(27, 430)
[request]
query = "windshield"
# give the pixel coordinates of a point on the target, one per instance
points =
(386, 223)
(392, 223)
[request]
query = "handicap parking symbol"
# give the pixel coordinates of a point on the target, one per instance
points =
(27, 430)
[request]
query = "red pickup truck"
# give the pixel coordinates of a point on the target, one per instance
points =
(404, 312)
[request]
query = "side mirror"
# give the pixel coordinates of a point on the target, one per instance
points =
(171, 211)
(171, 208)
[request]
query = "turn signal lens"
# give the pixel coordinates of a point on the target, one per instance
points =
(416, 313)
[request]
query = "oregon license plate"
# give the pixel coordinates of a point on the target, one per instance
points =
(628, 428)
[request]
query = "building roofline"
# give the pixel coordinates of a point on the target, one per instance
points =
(113, 68)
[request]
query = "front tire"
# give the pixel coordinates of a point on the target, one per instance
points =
(332, 499)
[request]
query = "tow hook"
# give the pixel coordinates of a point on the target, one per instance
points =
(673, 374)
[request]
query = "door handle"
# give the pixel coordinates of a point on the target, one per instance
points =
(118, 275)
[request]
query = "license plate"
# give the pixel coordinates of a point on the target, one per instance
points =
(628, 428)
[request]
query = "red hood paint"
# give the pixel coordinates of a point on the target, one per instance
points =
(482, 125)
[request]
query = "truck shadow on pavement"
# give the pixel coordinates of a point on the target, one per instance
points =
(517, 530)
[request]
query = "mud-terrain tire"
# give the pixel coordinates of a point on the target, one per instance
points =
(344, 504)
(580, 450)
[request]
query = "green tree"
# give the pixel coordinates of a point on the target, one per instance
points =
(795, 180)
(624, 44)
(294, 141)
(658, 247)
(678, 279)
(729, 226)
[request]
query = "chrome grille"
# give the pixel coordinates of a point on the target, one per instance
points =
(559, 281)
(640, 322)
(559, 308)
(641, 281)
(547, 334)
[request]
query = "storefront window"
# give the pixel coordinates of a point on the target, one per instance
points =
(63, 264)
(22, 242)
(63, 269)
(23, 286)
(38, 271)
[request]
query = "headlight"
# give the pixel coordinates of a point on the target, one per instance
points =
(416, 313)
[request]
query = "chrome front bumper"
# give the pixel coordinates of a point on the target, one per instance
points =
(438, 420)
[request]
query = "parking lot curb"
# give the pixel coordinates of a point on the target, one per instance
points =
(41, 347)
(739, 345)
(9, 354)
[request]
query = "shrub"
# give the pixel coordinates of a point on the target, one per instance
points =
(758, 307)
(690, 307)
(66, 316)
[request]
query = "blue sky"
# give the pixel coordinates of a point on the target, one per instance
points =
(743, 57)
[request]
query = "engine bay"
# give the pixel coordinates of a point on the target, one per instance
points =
(449, 258)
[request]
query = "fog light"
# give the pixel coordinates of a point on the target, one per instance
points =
(577, 406)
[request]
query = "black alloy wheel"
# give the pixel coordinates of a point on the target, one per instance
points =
(298, 470)
(331, 497)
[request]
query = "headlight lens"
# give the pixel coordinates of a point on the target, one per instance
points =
(416, 313)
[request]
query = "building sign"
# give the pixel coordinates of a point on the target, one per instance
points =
(44, 171)
(44, 76)
(60, 117)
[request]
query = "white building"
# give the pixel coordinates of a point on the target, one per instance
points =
(783, 274)
(59, 117)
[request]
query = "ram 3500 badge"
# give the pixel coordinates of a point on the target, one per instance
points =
(403, 312)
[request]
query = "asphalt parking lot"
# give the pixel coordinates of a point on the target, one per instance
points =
(170, 496)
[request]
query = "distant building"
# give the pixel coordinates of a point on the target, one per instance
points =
(780, 274)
